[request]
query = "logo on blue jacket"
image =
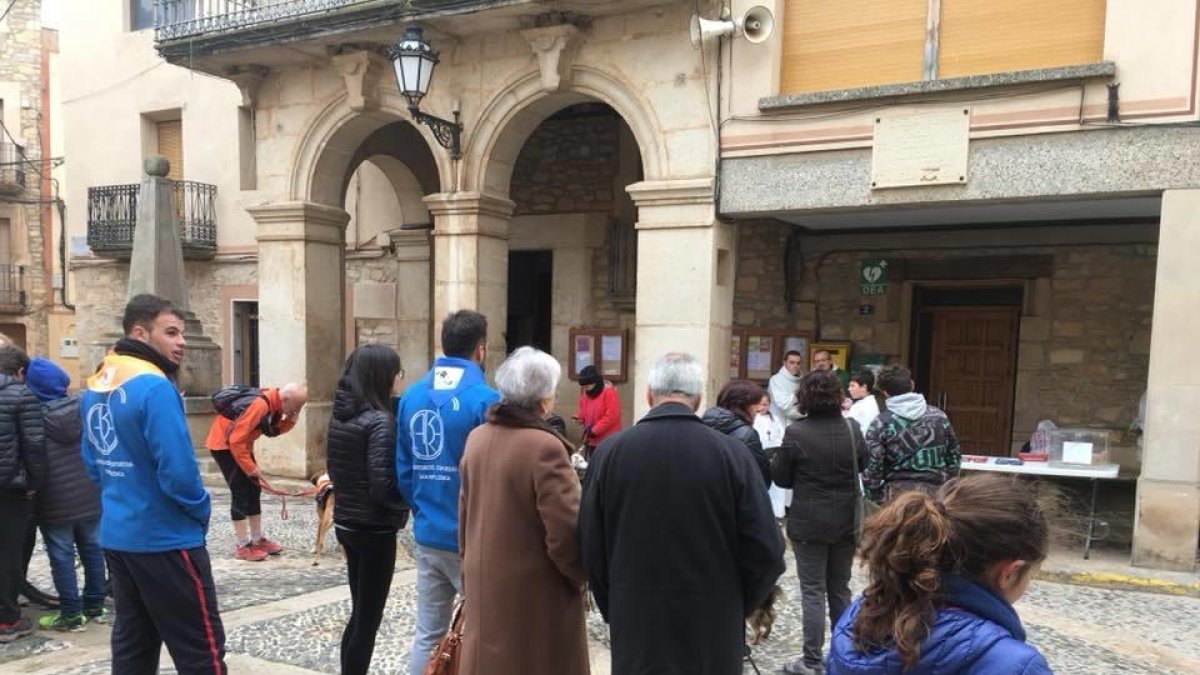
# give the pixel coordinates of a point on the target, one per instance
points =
(427, 433)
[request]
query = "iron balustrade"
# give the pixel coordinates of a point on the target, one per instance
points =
(175, 19)
(12, 286)
(12, 167)
(112, 218)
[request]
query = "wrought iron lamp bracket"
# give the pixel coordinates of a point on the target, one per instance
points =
(447, 133)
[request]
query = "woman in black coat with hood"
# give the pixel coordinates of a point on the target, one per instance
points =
(739, 402)
(361, 456)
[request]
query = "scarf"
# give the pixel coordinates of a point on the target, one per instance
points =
(140, 350)
(518, 417)
(596, 389)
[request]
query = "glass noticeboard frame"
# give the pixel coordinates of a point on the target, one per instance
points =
(605, 348)
(757, 354)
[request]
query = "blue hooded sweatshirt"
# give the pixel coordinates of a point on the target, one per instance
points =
(435, 417)
(975, 632)
(136, 446)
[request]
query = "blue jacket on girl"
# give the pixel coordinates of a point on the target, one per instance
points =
(975, 632)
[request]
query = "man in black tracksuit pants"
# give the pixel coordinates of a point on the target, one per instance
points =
(22, 468)
(155, 510)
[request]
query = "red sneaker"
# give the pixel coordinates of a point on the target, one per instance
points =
(267, 546)
(250, 553)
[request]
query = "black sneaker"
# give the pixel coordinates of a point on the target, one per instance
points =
(19, 628)
(96, 614)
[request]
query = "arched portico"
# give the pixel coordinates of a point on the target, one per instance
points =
(683, 251)
(302, 257)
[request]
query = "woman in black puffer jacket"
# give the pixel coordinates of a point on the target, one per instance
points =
(368, 511)
(739, 402)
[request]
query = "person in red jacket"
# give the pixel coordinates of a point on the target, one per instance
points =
(231, 443)
(599, 409)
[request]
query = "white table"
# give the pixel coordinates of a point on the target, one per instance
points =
(1093, 474)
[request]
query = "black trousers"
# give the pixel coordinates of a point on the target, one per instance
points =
(824, 571)
(245, 494)
(165, 597)
(15, 513)
(370, 562)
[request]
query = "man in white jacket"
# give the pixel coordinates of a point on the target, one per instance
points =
(782, 388)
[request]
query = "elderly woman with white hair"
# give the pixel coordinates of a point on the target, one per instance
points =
(522, 576)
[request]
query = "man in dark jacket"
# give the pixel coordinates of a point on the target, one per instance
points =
(911, 445)
(68, 505)
(22, 470)
(678, 536)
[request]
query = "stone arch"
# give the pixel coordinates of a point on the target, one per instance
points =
(338, 139)
(518, 108)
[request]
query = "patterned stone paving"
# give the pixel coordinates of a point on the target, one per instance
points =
(1082, 631)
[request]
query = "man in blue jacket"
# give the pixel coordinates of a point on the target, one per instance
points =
(155, 510)
(436, 414)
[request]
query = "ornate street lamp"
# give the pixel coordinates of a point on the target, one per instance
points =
(413, 60)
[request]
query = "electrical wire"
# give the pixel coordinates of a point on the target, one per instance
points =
(7, 9)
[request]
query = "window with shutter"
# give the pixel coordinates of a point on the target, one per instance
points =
(170, 145)
(831, 44)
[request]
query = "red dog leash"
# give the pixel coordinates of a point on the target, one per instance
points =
(284, 494)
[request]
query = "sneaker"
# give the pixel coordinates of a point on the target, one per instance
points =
(19, 628)
(251, 553)
(799, 667)
(61, 622)
(96, 614)
(267, 546)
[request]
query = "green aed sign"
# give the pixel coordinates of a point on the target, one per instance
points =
(873, 277)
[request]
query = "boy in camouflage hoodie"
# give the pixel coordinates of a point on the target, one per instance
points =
(911, 445)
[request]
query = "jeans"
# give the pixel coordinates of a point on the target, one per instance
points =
(824, 571)
(439, 578)
(370, 562)
(61, 540)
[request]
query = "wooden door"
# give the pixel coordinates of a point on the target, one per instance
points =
(973, 368)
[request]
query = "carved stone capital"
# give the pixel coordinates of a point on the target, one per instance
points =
(248, 79)
(555, 48)
(361, 71)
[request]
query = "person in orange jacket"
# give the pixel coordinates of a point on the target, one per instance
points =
(599, 409)
(231, 444)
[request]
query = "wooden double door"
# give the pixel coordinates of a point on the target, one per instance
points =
(970, 369)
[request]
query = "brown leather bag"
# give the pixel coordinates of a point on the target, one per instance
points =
(445, 659)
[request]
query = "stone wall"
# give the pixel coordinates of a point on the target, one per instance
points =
(21, 71)
(1084, 342)
(567, 166)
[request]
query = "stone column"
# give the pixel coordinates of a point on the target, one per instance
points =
(470, 262)
(301, 300)
(413, 341)
(1168, 494)
(684, 281)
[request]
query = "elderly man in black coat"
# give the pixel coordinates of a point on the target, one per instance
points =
(678, 536)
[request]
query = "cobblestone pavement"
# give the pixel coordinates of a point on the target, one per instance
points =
(285, 616)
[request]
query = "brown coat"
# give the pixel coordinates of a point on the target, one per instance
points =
(522, 575)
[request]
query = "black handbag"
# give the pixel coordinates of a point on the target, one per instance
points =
(864, 507)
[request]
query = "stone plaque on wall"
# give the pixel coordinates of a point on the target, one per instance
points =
(920, 146)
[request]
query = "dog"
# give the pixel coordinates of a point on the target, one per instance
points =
(762, 619)
(325, 499)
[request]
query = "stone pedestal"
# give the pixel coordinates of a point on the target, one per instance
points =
(470, 262)
(685, 281)
(301, 296)
(1168, 496)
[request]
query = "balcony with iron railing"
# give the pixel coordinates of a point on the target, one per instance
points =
(112, 219)
(12, 168)
(12, 288)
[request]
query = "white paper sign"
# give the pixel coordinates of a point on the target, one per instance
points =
(1075, 452)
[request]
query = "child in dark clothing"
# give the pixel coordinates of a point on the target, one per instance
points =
(68, 505)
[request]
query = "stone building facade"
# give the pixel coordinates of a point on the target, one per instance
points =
(1031, 215)
(32, 311)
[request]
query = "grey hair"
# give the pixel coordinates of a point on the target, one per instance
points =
(527, 377)
(676, 374)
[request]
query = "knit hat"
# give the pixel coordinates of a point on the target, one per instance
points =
(46, 380)
(588, 376)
